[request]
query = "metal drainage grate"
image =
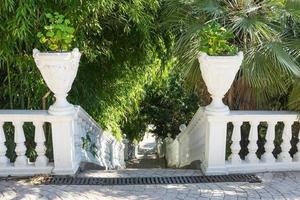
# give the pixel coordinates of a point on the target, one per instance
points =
(62, 180)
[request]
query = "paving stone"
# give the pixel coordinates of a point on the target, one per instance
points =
(278, 186)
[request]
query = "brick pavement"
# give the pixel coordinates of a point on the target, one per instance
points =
(285, 185)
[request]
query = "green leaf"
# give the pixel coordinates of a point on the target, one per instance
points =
(70, 30)
(49, 15)
(67, 22)
(59, 21)
(67, 41)
(39, 34)
(49, 27)
(58, 35)
(53, 47)
(43, 40)
(50, 34)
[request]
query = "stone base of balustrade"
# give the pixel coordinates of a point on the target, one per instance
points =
(28, 170)
(214, 170)
(245, 167)
(65, 171)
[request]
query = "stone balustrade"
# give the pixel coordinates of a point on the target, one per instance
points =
(14, 120)
(207, 138)
(172, 152)
(189, 145)
(69, 132)
(269, 160)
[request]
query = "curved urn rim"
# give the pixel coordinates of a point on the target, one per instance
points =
(204, 57)
(65, 55)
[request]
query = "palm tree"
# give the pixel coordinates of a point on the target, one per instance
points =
(267, 31)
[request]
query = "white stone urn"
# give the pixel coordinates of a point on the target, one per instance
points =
(218, 73)
(59, 70)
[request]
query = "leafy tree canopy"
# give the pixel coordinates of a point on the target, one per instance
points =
(122, 51)
(268, 33)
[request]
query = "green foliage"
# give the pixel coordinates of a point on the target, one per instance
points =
(59, 34)
(166, 106)
(217, 41)
(266, 31)
(122, 50)
(123, 78)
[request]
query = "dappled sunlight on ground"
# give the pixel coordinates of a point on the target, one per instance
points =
(275, 186)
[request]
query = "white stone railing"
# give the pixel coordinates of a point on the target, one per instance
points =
(160, 147)
(108, 152)
(172, 151)
(205, 139)
(284, 161)
(68, 135)
(188, 146)
(21, 166)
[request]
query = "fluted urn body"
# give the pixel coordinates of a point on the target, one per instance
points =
(218, 73)
(59, 71)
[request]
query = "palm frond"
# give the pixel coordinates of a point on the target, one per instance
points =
(294, 97)
(292, 9)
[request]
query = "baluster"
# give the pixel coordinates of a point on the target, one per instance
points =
(82, 135)
(102, 152)
(3, 159)
(83, 124)
(297, 155)
(126, 151)
(269, 146)
(252, 146)
(82, 131)
(285, 146)
(112, 153)
(78, 139)
(77, 135)
(21, 159)
(39, 138)
(87, 127)
(235, 146)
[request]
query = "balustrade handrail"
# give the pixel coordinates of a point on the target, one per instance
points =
(192, 124)
(22, 166)
(69, 132)
(262, 116)
(206, 139)
(215, 161)
(29, 115)
(105, 142)
(83, 114)
(178, 151)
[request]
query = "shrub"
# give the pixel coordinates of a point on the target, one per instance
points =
(59, 34)
(217, 41)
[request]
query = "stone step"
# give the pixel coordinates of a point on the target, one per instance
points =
(146, 161)
(140, 173)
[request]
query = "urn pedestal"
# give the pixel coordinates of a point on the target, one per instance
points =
(59, 71)
(218, 73)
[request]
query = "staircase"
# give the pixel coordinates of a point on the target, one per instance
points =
(147, 161)
(147, 155)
